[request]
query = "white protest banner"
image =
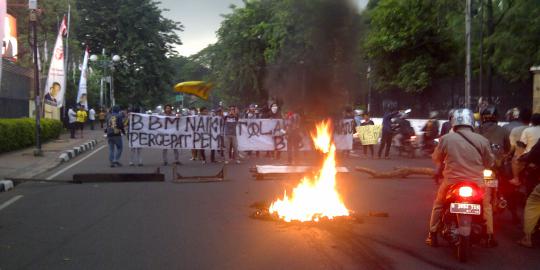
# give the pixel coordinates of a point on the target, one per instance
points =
(343, 134)
(270, 135)
(55, 86)
(82, 97)
(261, 135)
(171, 132)
(369, 134)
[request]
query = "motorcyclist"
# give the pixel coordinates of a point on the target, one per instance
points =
(431, 130)
(514, 119)
(464, 155)
(500, 142)
(404, 129)
(531, 213)
(493, 132)
(447, 126)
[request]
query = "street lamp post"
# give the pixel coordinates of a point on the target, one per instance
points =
(106, 63)
(32, 5)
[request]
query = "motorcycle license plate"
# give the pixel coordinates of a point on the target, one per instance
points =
(492, 183)
(465, 208)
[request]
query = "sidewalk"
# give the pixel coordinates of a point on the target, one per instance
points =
(23, 164)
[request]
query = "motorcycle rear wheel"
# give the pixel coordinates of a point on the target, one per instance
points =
(463, 248)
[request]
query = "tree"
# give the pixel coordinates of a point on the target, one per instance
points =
(136, 30)
(49, 19)
(190, 69)
(301, 51)
(409, 43)
(516, 41)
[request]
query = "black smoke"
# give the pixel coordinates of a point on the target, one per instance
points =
(321, 81)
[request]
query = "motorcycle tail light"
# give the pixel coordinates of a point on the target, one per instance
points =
(488, 174)
(465, 191)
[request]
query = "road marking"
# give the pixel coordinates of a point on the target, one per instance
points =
(74, 164)
(10, 201)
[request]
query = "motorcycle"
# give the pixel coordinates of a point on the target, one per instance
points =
(407, 146)
(428, 146)
(462, 220)
(404, 139)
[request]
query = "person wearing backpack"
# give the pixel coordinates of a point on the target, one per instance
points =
(114, 131)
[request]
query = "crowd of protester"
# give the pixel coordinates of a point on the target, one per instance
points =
(514, 145)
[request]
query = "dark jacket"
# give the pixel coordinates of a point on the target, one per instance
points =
(532, 156)
(368, 123)
(115, 125)
(446, 127)
(230, 122)
(387, 122)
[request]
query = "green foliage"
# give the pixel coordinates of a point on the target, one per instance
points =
(285, 47)
(409, 43)
(516, 41)
(20, 133)
(135, 30)
(193, 68)
(49, 20)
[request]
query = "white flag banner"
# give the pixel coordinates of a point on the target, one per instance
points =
(171, 132)
(55, 87)
(3, 19)
(270, 135)
(82, 97)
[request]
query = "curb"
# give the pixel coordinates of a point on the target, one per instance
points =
(70, 154)
(6, 185)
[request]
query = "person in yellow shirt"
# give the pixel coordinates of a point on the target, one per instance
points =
(81, 118)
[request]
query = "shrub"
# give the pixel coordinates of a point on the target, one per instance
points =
(19, 133)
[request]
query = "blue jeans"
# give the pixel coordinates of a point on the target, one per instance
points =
(115, 142)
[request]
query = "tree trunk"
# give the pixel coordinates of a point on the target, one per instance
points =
(490, 23)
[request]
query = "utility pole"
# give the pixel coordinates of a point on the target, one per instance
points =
(369, 89)
(468, 57)
(481, 64)
(32, 5)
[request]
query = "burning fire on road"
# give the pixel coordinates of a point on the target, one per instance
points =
(315, 198)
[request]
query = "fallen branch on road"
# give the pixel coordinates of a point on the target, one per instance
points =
(398, 172)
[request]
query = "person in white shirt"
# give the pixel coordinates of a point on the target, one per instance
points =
(531, 134)
(72, 116)
(92, 117)
(515, 150)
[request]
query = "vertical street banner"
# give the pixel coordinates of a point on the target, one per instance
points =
(2, 27)
(82, 97)
(271, 135)
(172, 132)
(55, 86)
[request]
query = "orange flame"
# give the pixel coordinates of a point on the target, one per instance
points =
(316, 198)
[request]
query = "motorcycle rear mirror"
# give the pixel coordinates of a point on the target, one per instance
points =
(407, 111)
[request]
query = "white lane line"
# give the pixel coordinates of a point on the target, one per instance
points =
(74, 164)
(10, 201)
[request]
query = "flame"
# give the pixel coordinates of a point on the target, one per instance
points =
(315, 198)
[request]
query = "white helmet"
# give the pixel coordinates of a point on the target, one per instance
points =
(358, 112)
(462, 117)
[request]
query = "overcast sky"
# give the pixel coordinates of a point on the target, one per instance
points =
(201, 20)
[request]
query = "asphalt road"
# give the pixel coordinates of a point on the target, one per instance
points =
(207, 225)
